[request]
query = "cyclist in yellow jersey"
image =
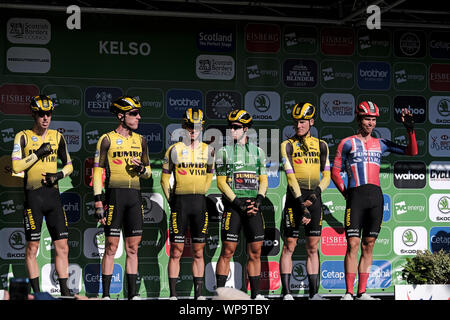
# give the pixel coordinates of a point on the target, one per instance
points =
(304, 159)
(192, 163)
(35, 157)
(123, 154)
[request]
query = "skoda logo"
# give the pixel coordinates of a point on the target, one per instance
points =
(16, 240)
(299, 272)
(409, 237)
(262, 102)
(99, 240)
(444, 204)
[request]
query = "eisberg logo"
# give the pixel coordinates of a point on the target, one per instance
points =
(409, 175)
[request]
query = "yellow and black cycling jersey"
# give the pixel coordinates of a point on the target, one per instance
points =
(25, 161)
(114, 153)
(304, 160)
(192, 167)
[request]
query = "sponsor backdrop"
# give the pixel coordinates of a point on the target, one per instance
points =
(268, 68)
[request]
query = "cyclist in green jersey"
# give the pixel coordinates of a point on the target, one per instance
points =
(242, 179)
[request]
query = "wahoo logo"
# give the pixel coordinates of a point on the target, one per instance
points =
(409, 175)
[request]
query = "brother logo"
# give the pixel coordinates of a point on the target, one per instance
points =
(410, 175)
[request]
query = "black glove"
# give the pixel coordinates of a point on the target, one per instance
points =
(304, 212)
(140, 169)
(316, 195)
(408, 122)
(44, 150)
(259, 200)
(99, 213)
(52, 178)
(240, 205)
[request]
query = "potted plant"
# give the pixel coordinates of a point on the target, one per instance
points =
(427, 275)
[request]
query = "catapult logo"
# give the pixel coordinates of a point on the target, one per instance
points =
(332, 275)
(439, 45)
(440, 239)
(93, 278)
(410, 175)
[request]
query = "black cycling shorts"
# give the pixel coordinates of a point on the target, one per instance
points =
(233, 220)
(188, 210)
(364, 211)
(292, 218)
(40, 203)
(124, 209)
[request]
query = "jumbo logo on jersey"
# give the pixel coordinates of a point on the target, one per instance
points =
(193, 168)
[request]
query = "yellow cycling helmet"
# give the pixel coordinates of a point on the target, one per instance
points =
(41, 103)
(241, 116)
(303, 112)
(124, 104)
(193, 117)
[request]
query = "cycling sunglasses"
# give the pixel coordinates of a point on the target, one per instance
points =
(41, 113)
(235, 126)
(134, 113)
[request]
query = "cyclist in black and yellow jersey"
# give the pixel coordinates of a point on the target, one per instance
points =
(35, 156)
(305, 159)
(123, 154)
(192, 163)
(242, 179)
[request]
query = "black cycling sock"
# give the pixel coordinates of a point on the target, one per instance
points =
(63, 287)
(254, 285)
(198, 286)
(106, 284)
(35, 284)
(286, 283)
(173, 286)
(221, 280)
(132, 280)
(313, 284)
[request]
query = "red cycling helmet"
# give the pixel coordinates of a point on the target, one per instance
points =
(367, 108)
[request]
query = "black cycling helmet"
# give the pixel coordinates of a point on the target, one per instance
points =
(124, 104)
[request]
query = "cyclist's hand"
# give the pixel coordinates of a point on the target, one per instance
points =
(240, 205)
(100, 212)
(44, 150)
(50, 179)
(407, 119)
(305, 220)
(139, 166)
(308, 203)
(252, 209)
